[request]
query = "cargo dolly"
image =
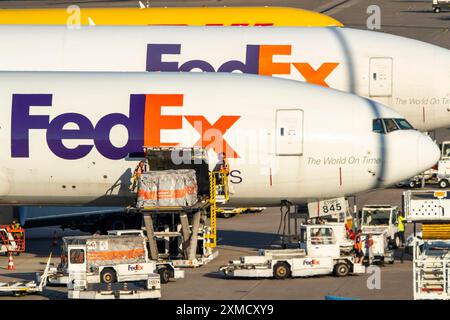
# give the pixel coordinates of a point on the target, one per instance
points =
(18, 288)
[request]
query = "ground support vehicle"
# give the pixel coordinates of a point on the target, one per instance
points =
(181, 229)
(381, 219)
(432, 269)
(228, 212)
(431, 246)
(12, 239)
(379, 251)
(439, 4)
(60, 275)
(93, 261)
(319, 254)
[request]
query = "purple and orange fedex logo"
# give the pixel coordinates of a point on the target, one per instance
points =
(143, 123)
(258, 60)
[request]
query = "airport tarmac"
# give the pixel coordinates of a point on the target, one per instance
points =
(245, 234)
(239, 235)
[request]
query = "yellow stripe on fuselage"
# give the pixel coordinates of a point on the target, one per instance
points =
(227, 16)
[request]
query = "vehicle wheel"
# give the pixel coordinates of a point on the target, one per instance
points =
(412, 184)
(108, 275)
(281, 270)
(394, 243)
(341, 269)
(437, 10)
(391, 261)
(443, 183)
(19, 293)
(164, 274)
(226, 215)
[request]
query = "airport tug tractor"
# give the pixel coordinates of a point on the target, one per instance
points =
(320, 253)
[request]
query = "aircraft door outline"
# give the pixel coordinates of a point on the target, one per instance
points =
(381, 77)
(289, 132)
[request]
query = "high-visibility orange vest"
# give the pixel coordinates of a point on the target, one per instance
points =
(358, 243)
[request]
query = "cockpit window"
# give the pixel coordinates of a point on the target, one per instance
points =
(390, 125)
(377, 126)
(403, 124)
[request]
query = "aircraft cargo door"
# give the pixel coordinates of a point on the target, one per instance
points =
(289, 132)
(380, 78)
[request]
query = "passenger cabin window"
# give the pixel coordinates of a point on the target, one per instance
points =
(77, 256)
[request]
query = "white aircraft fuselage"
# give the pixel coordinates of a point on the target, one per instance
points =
(410, 76)
(69, 138)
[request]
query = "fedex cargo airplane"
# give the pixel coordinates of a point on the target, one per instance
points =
(192, 16)
(71, 138)
(410, 76)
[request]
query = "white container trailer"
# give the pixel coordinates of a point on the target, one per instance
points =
(429, 205)
(110, 260)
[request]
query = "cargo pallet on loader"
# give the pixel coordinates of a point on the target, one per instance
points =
(184, 228)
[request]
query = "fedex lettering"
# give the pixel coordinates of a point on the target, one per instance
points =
(136, 267)
(143, 123)
(258, 60)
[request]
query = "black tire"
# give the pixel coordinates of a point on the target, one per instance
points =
(443, 184)
(281, 270)
(164, 274)
(226, 215)
(412, 184)
(395, 243)
(437, 10)
(341, 269)
(108, 275)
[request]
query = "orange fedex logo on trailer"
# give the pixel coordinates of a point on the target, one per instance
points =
(259, 59)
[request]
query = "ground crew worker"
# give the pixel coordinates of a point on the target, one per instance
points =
(401, 229)
(15, 225)
(140, 168)
(357, 246)
(369, 245)
(221, 168)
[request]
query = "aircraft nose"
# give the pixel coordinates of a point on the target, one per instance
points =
(407, 153)
(428, 153)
